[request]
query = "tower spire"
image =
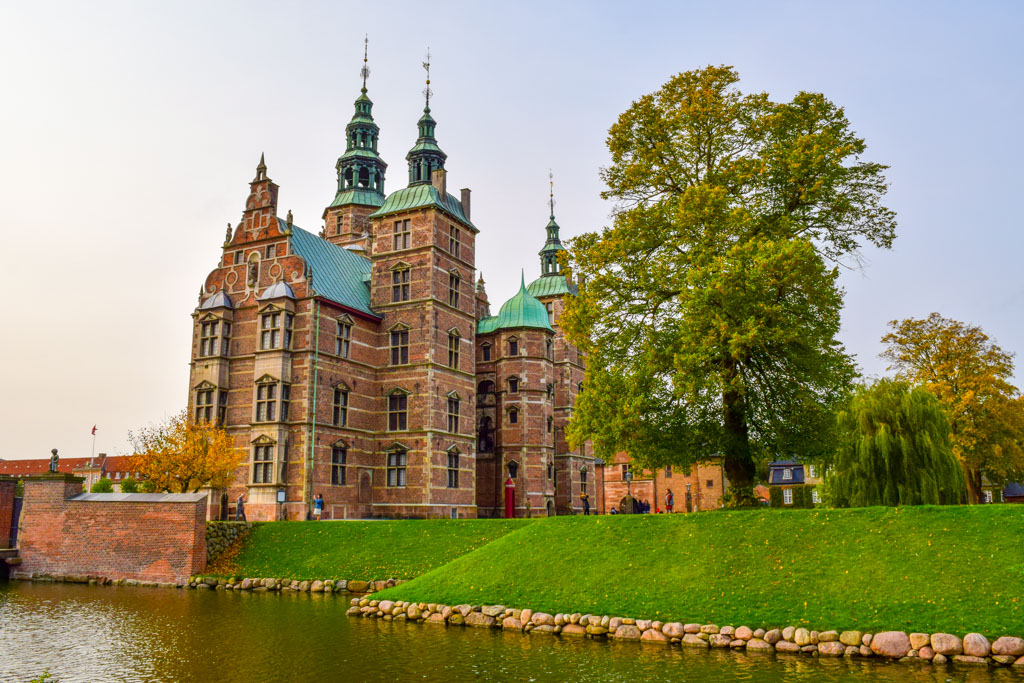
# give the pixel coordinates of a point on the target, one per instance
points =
(365, 71)
(427, 92)
(425, 157)
(551, 193)
(553, 244)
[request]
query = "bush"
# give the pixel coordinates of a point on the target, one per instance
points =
(799, 497)
(129, 485)
(104, 485)
(775, 497)
(808, 495)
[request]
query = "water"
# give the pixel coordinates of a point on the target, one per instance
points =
(83, 633)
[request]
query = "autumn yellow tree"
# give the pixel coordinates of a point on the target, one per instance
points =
(970, 375)
(183, 455)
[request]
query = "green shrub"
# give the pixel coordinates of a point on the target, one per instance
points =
(799, 499)
(808, 495)
(129, 485)
(775, 496)
(104, 485)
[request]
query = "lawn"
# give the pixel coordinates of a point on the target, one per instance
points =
(957, 569)
(361, 550)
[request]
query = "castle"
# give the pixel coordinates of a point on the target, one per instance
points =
(363, 363)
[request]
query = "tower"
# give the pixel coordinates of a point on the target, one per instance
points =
(423, 269)
(360, 175)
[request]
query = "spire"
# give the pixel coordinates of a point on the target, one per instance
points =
(553, 245)
(261, 170)
(425, 157)
(360, 169)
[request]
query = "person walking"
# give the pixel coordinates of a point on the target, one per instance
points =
(240, 508)
(669, 501)
(318, 506)
(586, 503)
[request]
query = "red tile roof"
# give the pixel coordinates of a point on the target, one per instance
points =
(24, 468)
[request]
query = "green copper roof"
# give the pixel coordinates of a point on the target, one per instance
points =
(522, 310)
(338, 274)
(359, 195)
(550, 285)
(420, 196)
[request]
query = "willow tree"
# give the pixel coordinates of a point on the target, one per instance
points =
(709, 308)
(894, 449)
(971, 376)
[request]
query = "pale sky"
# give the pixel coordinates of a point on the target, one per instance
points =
(129, 132)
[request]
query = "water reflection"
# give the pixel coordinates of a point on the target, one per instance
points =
(83, 633)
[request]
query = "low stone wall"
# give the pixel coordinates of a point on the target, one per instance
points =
(222, 535)
(936, 648)
(274, 584)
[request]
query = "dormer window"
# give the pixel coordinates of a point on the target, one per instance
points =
(787, 474)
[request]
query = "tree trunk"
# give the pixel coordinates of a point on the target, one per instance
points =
(973, 479)
(739, 464)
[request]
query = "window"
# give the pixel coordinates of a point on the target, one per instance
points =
(710, 484)
(551, 312)
(453, 350)
(270, 251)
(454, 282)
(787, 474)
(338, 222)
(238, 257)
(988, 496)
(668, 471)
(400, 285)
(285, 401)
(399, 347)
(550, 349)
(271, 332)
(812, 471)
(396, 468)
(551, 391)
(454, 241)
(583, 480)
(551, 423)
(222, 408)
(513, 469)
(339, 457)
(453, 470)
(815, 497)
(401, 239)
(204, 405)
(263, 464)
(513, 385)
(787, 496)
(486, 350)
(340, 407)
(513, 416)
(266, 402)
(513, 347)
(208, 338)
(343, 340)
(453, 414)
(551, 470)
(398, 412)
(626, 469)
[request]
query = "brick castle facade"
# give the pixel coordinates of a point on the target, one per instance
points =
(362, 363)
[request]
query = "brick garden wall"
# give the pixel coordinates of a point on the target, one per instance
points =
(140, 538)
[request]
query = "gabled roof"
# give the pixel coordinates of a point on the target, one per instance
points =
(24, 468)
(338, 274)
(777, 468)
(421, 196)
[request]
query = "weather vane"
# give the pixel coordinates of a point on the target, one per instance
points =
(551, 192)
(427, 92)
(365, 71)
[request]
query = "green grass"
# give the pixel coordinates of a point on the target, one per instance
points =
(956, 569)
(361, 550)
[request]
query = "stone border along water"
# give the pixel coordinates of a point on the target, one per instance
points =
(937, 648)
(973, 649)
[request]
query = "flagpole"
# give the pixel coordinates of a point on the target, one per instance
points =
(93, 444)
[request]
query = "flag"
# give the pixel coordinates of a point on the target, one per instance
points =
(94, 430)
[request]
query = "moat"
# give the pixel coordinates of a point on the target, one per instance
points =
(82, 633)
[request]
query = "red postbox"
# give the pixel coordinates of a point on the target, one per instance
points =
(510, 498)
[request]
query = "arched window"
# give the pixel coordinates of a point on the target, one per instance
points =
(485, 387)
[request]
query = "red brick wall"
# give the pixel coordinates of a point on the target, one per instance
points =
(146, 541)
(6, 510)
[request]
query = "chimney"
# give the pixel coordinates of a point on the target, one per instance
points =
(440, 182)
(465, 202)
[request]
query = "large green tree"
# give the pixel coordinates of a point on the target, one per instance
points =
(970, 375)
(709, 308)
(894, 449)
